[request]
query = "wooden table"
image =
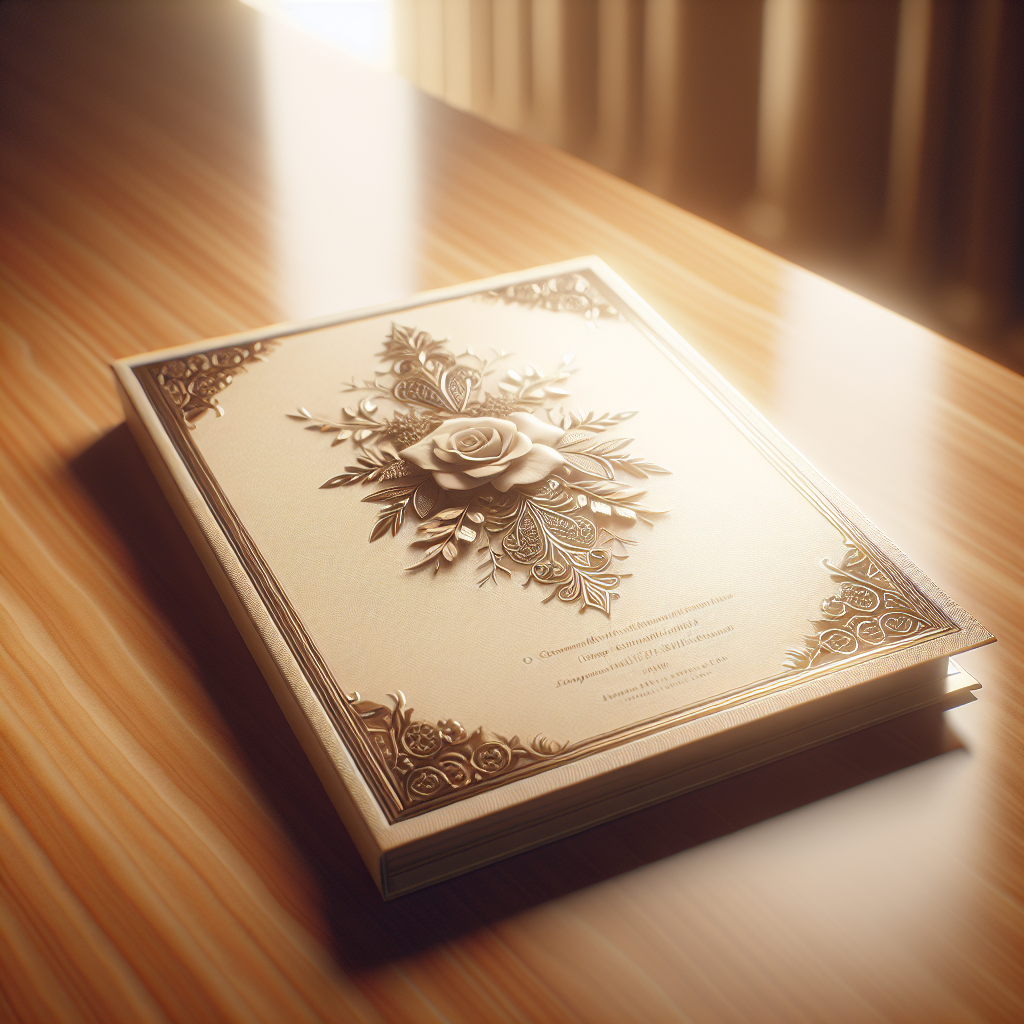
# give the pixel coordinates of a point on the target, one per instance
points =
(173, 172)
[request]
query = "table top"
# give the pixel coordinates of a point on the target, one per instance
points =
(174, 172)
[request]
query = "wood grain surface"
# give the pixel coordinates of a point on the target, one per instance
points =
(176, 171)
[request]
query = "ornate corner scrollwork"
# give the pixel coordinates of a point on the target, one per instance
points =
(866, 612)
(192, 384)
(426, 762)
(567, 293)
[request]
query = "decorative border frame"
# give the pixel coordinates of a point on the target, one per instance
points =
(361, 724)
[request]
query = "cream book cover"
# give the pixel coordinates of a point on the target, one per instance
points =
(515, 559)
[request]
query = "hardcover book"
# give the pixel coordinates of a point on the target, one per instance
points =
(515, 560)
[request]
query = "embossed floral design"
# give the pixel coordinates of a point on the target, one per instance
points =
(466, 453)
(504, 473)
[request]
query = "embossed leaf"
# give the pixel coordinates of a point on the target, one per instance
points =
(449, 551)
(450, 513)
(607, 447)
(435, 529)
(425, 497)
(574, 437)
(380, 528)
(611, 490)
(428, 556)
(476, 517)
(390, 519)
(390, 493)
(637, 467)
(590, 466)
(590, 421)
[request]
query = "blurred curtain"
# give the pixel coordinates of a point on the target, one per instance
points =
(877, 141)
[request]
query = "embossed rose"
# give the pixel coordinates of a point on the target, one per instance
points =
(471, 451)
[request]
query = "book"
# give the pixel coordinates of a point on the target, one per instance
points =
(515, 560)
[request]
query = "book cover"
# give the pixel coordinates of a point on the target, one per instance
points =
(515, 540)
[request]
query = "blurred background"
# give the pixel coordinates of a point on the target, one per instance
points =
(877, 142)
